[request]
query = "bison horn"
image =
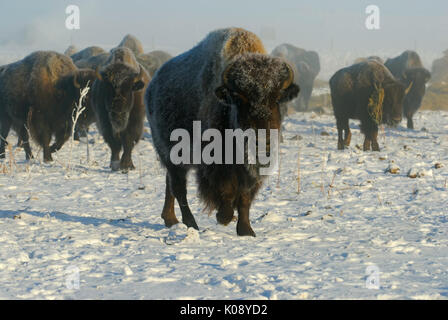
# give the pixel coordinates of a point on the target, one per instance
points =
(140, 74)
(290, 79)
(98, 74)
(409, 88)
(75, 81)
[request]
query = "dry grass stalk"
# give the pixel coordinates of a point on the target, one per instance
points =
(79, 109)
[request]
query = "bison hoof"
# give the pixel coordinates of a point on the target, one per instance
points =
(127, 166)
(115, 165)
(170, 222)
(224, 218)
(244, 230)
(48, 159)
(190, 223)
(341, 146)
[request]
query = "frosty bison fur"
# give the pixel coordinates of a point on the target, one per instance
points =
(117, 100)
(409, 69)
(366, 91)
(38, 95)
(227, 81)
(131, 42)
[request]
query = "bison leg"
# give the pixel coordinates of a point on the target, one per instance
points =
(24, 140)
(126, 158)
(61, 137)
(375, 145)
(410, 122)
(178, 186)
(227, 194)
(168, 214)
(5, 126)
(340, 123)
(115, 148)
(348, 135)
(243, 227)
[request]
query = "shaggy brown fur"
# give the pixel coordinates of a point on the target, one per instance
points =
(226, 82)
(37, 95)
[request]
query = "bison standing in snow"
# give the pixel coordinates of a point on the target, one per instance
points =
(369, 92)
(227, 81)
(306, 66)
(117, 100)
(408, 68)
(38, 95)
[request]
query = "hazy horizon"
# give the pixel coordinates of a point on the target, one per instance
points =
(328, 27)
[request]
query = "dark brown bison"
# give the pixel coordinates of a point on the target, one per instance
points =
(227, 81)
(306, 67)
(369, 92)
(152, 61)
(117, 100)
(38, 96)
(408, 68)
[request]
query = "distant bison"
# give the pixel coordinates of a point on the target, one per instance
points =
(152, 61)
(408, 68)
(227, 81)
(71, 50)
(131, 42)
(439, 70)
(38, 95)
(117, 99)
(366, 91)
(306, 65)
(376, 58)
(87, 53)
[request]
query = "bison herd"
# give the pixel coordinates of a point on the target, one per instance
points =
(227, 81)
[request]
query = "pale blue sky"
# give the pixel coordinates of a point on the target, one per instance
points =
(175, 24)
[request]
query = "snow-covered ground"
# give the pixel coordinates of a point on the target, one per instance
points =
(58, 225)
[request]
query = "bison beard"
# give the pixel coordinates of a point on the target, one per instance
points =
(226, 82)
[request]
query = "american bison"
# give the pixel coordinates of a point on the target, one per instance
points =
(37, 96)
(369, 92)
(87, 53)
(409, 69)
(131, 42)
(227, 81)
(71, 50)
(117, 100)
(152, 61)
(306, 65)
(439, 69)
